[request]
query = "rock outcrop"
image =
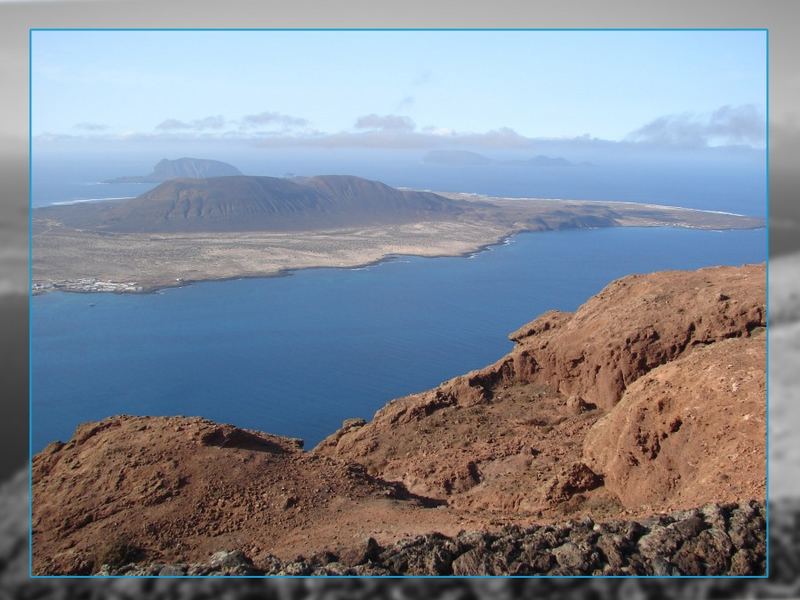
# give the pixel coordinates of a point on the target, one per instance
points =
(691, 428)
(634, 325)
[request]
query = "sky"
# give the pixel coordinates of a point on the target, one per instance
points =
(401, 88)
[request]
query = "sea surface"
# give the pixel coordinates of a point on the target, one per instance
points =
(296, 355)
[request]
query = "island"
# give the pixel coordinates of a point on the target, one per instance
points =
(166, 169)
(187, 230)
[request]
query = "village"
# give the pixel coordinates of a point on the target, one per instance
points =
(87, 284)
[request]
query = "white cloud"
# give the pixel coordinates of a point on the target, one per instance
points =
(272, 118)
(212, 122)
(728, 125)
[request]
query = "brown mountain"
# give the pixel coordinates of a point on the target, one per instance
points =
(248, 203)
(649, 399)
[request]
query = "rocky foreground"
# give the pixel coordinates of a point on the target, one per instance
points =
(783, 582)
(625, 438)
(713, 540)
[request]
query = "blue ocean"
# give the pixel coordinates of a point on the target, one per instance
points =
(296, 355)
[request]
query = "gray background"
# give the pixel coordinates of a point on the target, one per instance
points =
(780, 16)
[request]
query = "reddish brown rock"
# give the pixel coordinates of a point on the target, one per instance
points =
(572, 480)
(634, 325)
(687, 431)
(179, 489)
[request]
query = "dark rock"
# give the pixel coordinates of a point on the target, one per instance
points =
(296, 569)
(707, 554)
(744, 562)
(472, 562)
(230, 561)
(369, 551)
(172, 571)
(745, 522)
(661, 541)
(572, 557)
(662, 568)
(613, 548)
(691, 526)
(323, 558)
(714, 516)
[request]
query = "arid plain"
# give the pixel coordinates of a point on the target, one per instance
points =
(74, 259)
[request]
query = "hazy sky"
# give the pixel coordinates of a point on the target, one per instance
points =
(685, 86)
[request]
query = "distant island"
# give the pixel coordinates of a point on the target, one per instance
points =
(166, 169)
(188, 230)
(467, 158)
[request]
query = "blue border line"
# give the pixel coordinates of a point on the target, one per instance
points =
(468, 29)
(766, 309)
(367, 29)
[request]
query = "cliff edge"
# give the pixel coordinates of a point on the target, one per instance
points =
(638, 419)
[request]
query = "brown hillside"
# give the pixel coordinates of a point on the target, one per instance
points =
(498, 437)
(649, 398)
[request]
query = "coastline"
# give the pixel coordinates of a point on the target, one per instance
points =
(90, 285)
(286, 272)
